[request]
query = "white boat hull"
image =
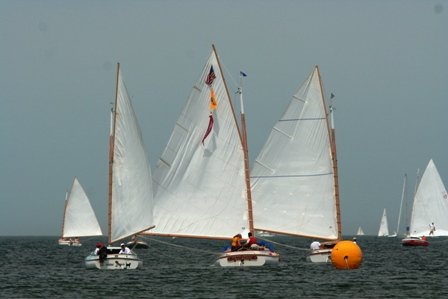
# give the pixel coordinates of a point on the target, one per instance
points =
(69, 243)
(320, 256)
(114, 261)
(248, 258)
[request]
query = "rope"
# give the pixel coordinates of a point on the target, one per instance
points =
(186, 247)
(284, 245)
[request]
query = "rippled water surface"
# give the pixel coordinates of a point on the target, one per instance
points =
(37, 267)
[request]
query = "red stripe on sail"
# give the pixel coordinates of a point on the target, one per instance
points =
(209, 129)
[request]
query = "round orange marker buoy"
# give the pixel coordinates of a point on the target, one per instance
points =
(346, 255)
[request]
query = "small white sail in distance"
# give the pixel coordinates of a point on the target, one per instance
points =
(79, 217)
(384, 226)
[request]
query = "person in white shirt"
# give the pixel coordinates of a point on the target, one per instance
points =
(124, 249)
(315, 245)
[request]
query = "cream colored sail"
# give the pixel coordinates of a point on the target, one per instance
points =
(293, 177)
(131, 201)
(360, 232)
(430, 205)
(79, 217)
(199, 180)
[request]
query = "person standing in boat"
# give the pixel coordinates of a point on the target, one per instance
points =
(236, 242)
(432, 229)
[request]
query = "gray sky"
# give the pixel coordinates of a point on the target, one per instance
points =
(386, 62)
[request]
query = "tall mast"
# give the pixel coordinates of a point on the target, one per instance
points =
(333, 155)
(111, 155)
(243, 138)
(65, 210)
(246, 157)
(401, 203)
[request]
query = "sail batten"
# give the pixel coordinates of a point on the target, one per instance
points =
(293, 177)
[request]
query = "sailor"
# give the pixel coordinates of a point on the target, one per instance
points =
(251, 242)
(236, 242)
(315, 245)
(432, 229)
(124, 249)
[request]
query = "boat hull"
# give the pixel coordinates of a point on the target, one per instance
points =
(414, 242)
(248, 258)
(319, 256)
(69, 242)
(114, 261)
(137, 244)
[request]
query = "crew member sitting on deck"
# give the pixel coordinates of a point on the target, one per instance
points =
(315, 245)
(251, 243)
(236, 242)
(124, 249)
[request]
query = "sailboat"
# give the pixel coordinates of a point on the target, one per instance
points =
(384, 227)
(295, 176)
(430, 208)
(201, 181)
(360, 232)
(79, 218)
(130, 184)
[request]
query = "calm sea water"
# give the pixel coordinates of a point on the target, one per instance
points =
(37, 267)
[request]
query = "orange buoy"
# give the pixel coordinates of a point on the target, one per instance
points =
(346, 255)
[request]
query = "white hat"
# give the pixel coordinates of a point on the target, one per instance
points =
(122, 244)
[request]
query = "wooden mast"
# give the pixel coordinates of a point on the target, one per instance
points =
(246, 160)
(63, 217)
(111, 155)
(243, 137)
(332, 132)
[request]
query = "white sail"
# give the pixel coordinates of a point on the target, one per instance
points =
(430, 205)
(293, 180)
(79, 217)
(132, 194)
(199, 184)
(360, 232)
(384, 226)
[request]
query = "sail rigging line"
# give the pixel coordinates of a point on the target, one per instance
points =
(186, 247)
(284, 245)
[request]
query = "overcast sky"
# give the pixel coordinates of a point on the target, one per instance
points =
(386, 62)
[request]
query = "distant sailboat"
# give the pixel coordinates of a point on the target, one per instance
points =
(295, 176)
(360, 232)
(430, 205)
(79, 218)
(384, 226)
(130, 188)
(201, 181)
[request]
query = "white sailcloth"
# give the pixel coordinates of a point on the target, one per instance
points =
(79, 217)
(199, 184)
(430, 205)
(293, 184)
(132, 194)
(384, 226)
(360, 232)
